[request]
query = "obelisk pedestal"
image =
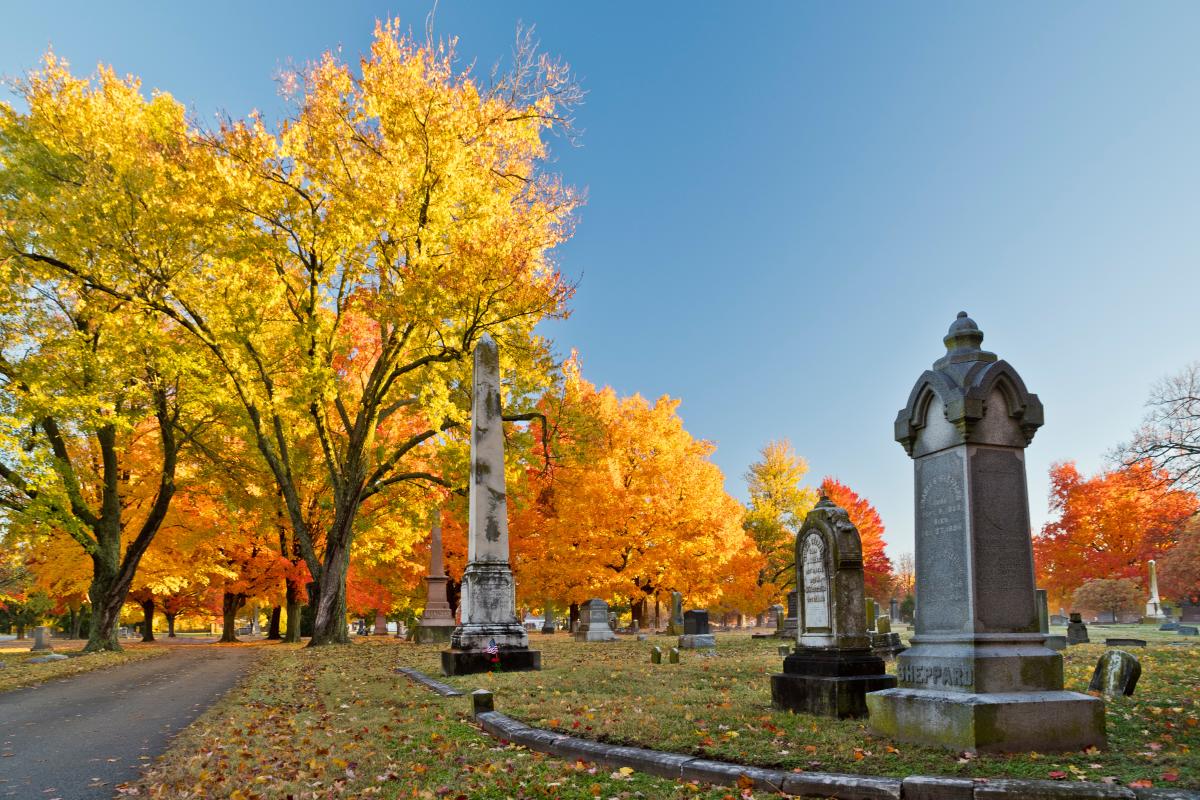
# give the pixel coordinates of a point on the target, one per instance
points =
(437, 621)
(979, 675)
(1154, 611)
(490, 636)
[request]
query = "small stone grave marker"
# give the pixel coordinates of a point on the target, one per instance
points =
(1077, 629)
(674, 656)
(1116, 673)
(46, 659)
(656, 655)
(41, 638)
(1188, 630)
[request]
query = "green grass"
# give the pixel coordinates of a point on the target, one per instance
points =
(338, 722)
(17, 673)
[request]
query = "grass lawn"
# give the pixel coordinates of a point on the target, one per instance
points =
(339, 722)
(16, 672)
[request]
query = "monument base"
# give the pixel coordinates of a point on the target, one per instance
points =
(829, 683)
(1001, 722)
(789, 630)
(595, 636)
(468, 662)
(433, 634)
(697, 641)
(1056, 642)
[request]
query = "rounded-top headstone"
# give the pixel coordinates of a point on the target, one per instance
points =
(1116, 673)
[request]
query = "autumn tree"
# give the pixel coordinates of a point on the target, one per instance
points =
(1108, 525)
(1169, 437)
(906, 575)
(1116, 596)
(777, 508)
(398, 213)
(1179, 567)
(877, 567)
(92, 180)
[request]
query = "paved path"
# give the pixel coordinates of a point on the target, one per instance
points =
(79, 737)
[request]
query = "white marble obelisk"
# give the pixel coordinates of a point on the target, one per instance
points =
(1154, 604)
(488, 600)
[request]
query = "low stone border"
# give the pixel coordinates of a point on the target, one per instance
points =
(420, 677)
(840, 786)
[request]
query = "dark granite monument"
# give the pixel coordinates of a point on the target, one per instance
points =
(832, 668)
(791, 623)
(696, 631)
(1077, 629)
(978, 675)
(488, 592)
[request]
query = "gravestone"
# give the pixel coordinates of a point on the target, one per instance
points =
(1077, 629)
(1154, 610)
(548, 619)
(885, 643)
(380, 628)
(1116, 674)
(674, 655)
(1188, 630)
(775, 616)
(894, 610)
(41, 639)
(1189, 609)
(871, 615)
(594, 622)
(656, 655)
(612, 621)
(1058, 619)
(1121, 641)
(675, 624)
(978, 675)
(832, 668)
(1043, 610)
(883, 625)
(791, 623)
(46, 659)
(437, 620)
(488, 592)
(1169, 626)
(696, 631)
(785, 650)
(759, 620)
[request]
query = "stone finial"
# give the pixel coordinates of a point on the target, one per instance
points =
(964, 338)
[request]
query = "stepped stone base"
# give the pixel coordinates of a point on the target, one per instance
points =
(998, 722)
(430, 634)
(697, 641)
(829, 683)
(467, 662)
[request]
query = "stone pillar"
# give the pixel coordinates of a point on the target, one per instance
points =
(437, 621)
(41, 639)
(871, 615)
(548, 619)
(791, 624)
(832, 668)
(697, 634)
(489, 615)
(894, 610)
(1043, 610)
(380, 624)
(675, 623)
(979, 675)
(1154, 603)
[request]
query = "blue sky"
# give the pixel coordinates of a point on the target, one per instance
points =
(789, 202)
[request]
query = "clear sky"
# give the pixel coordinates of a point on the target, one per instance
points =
(789, 202)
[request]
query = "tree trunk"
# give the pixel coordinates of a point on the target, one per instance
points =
(171, 625)
(273, 628)
(329, 627)
(76, 623)
(20, 630)
(230, 603)
(638, 609)
(292, 634)
(573, 618)
(107, 596)
(148, 620)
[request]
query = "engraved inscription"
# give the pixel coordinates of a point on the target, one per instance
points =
(941, 543)
(816, 584)
(1003, 552)
(924, 675)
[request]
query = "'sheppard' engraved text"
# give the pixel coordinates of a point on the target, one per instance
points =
(936, 676)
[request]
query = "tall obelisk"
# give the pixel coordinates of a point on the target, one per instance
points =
(490, 635)
(1154, 604)
(437, 621)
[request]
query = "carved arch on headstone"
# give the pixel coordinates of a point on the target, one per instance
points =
(843, 562)
(1022, 405)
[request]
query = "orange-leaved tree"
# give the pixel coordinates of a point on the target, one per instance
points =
(877, 567)
(1107, 526)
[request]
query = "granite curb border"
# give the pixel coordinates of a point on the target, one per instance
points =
(837, 785)
(437, 686)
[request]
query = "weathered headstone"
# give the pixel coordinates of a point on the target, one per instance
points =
(594, 622)
(548, 619)
(1077, 629)
(1043, 610)
(380, 628)
(41, 639)
(437, 620)
(488, 592)
(832, 668)
(871, 615)
(785, 650)
(791, 623)
(775, 616)
(1116, 674)
(1154, 610)
(674, 655)
(656, 655)
(1188, 630)
(1189, 609)
(978, 676)
(1169, 626)
(894, 610)
(696, 631)
(675, 623)
(612, 621)
(883, 625)
(885, 643)
(759, 620)
(1059, 619)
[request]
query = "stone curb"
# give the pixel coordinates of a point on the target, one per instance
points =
(840, 786)
(443, 689)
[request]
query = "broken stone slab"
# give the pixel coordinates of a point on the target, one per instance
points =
(1121, 642)
(46, 659)
(1009, 789)
(1116, 673)
(841, 786)
(927, 787)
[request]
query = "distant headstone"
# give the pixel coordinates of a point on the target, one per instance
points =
(1189, 610)
(612, 621)
(41, 639)
(1077, 629)
(785, 650)
(1043, 610)
(656, 655)
(832, 668)
(1154, 609)
(871, 615)
(380, 628)
(594, 621)
(548, 621)
(1116, 673)
(775, 616)
(894, 610)
(791, 623)
(696, 631)
(674, 655)
(1124, 642)
(46, 659)
(675, 623)
(979, 676)
(759, 620)
(1059, 619)
(437, 620)
(883, 624)
(1188, 630)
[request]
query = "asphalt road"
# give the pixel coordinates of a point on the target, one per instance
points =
(80, 737)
